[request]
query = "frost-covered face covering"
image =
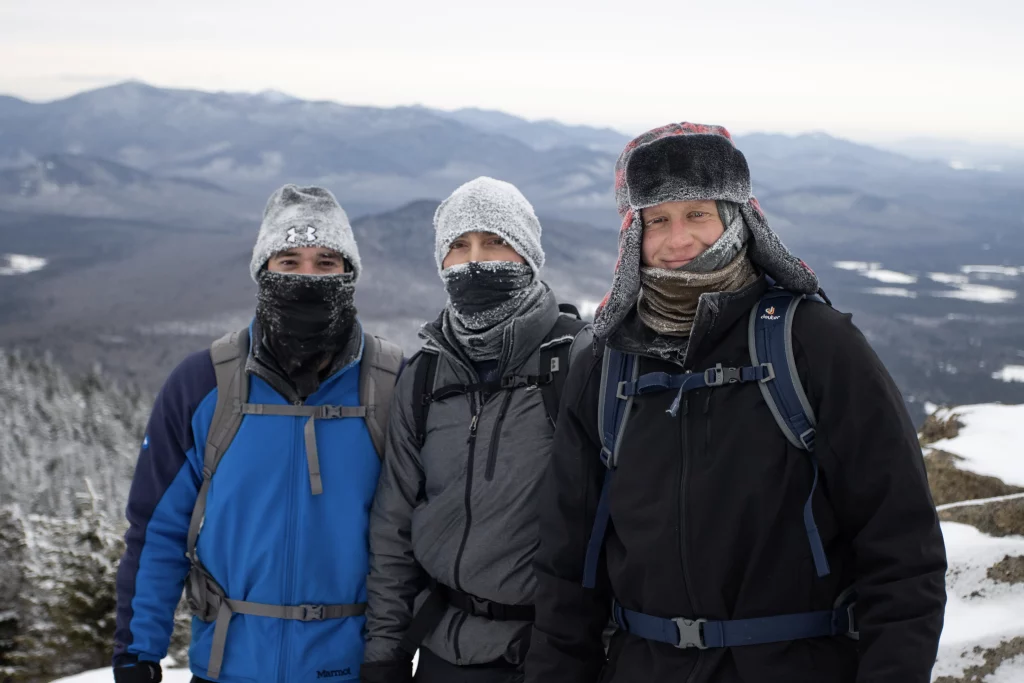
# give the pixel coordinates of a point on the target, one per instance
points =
(306, 321)
(483, 300)
(485, 297)
(691, 162)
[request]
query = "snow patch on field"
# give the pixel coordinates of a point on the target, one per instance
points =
(19, 264)
(892, 291)
(979, 611)
(991, 442)
(1010, 373)
(986, 294)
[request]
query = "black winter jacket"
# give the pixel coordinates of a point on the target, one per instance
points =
(706, 519)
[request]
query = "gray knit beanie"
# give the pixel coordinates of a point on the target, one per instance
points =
(489, 205)
(304, 217)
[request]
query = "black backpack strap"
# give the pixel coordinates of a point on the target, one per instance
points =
(555, 355)
(425, 363)
(771, 344)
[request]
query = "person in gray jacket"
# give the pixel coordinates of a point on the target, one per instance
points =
(453, 528)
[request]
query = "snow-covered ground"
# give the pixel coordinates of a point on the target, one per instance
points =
(960, 285)
(1010, 373)
(985, 294)
(106, 676)
(980, 611)
(19, 264)
(991, 442)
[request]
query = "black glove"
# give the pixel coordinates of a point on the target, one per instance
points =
(386, 672)
(138, 672)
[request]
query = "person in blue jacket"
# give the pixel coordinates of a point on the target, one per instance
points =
(255, 478)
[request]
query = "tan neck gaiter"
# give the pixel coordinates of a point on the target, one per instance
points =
(668, 298)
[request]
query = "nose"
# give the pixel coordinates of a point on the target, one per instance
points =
(307, 267)
(475, 252)
(680, 235)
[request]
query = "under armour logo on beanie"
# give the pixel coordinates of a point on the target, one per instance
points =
(293, 234)
(304, 217)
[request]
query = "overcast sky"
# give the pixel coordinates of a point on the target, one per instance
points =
(873, 70)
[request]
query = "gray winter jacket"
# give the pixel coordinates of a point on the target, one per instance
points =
(462, 513)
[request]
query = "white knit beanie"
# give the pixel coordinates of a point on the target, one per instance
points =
(304, 217)
(489, 205)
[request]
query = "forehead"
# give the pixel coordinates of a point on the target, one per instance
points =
(476, 234)
(308, 252)
(674, 207)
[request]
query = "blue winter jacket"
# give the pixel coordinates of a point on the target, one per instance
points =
(265, 539)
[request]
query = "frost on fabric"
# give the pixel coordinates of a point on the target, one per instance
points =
(489, 205)
(484, 299)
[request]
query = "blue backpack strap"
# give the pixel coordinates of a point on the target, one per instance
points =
(710, 633)
(771, 346)
(617, 368)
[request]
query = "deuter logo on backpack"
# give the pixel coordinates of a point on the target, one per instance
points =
(333, 673)
(769, 314)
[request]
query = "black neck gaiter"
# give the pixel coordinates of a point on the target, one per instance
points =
(306, 321)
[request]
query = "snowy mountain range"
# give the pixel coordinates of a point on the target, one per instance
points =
(127, 214)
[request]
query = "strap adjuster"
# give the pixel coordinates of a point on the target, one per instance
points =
(718, 375)
(691, 632)
(312, 613)
(620, 391)
(768, 372)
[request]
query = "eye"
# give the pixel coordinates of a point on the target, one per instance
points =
(654, 221)
(699, 214)
(498, 242)
(458, 244)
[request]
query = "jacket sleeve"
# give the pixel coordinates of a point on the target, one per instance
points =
(875, 476)
(395, 576)
(152, 572)
(566, 646)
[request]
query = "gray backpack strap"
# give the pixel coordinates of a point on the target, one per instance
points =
(312, 413)
(378, 372)
(228, 354)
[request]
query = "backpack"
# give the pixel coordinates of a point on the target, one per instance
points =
(554, 359)
(378, 371)
(773, 367)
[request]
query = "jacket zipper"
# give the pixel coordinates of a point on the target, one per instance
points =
(287, 593)
(492, 456)
(471, 442)
(684, 476)
(458, 631)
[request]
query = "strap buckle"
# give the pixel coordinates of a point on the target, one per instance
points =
(768, 372)
(620, 391)
(807, 439)
(312, 613)
(514, 382)
(691, 631)
(718, 375)
(330, 412)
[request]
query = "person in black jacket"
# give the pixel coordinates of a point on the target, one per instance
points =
(706, 507)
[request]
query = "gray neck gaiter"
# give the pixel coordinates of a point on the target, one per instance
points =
(483, 300)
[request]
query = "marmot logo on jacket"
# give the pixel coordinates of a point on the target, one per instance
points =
(336, 673)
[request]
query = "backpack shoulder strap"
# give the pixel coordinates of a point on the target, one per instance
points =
(378, 372)
(771, 342)
(556, 352)
(228, 354)
(425, 372)
(617, 369)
